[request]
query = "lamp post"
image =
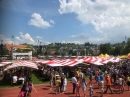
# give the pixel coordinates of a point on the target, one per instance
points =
(1, 48)
(85, 51)
(40, 48)
(12, 47)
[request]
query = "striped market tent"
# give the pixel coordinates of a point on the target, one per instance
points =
(5, 63)
(22, 63)
(72, 62)
(57, 62)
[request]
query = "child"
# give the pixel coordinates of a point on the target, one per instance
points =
(58, 82)
(120, 84)
(22, 91)
(102, 88)
(90, 91)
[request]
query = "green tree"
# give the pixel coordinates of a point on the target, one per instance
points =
(70, 52)
(74, 53)
(117, 50)
(105, 48)
(127, 47)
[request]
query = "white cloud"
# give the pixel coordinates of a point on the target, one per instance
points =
(38, 37)
(81, 36)
(24, 38)
(38, 21)
(4, 39)
(45, 42)
(73, 41)
(110, 18)
(51, 21)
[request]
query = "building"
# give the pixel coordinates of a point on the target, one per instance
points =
(17, 51)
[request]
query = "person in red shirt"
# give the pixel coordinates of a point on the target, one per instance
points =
(108, 84)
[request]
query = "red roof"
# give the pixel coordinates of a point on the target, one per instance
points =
(9, 46)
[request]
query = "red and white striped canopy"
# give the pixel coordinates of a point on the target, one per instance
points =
(5, 63)
(101, 61)
(72, 62)
(22, 63)
(65, 62)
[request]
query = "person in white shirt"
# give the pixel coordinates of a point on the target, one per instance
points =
(14, 78)
(120, 84)
(1, 72)
(74, 81)
(64, 83)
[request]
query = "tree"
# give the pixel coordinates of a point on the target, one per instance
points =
(117, 50)
(105, 48)
(87, 44)
(70, 52)
(74, 53)
(57, 53)
(127, 47)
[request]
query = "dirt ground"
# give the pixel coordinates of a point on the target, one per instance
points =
(44, 91)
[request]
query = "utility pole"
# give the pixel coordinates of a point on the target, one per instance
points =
(1, 48)
(12, 47)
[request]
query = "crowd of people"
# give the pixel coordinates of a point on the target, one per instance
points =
(105, 76)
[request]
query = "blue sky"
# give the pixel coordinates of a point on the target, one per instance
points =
(65, 21)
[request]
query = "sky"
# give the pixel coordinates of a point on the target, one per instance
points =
(64, 21)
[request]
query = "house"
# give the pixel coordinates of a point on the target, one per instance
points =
(18, 51)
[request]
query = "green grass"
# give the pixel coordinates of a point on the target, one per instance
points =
(38, 80)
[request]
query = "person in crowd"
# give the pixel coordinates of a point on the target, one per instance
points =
(120, 84)
(84, 86)
(114, 77)
(58, 82)
(102, 88)
(101, 79)
(1, 73)
(23, 91)
(62, 80)
(29, 87)
(123, 83)
(81, 75)
(14, 79)
(90, 77)
(90, 90)
(77, 73)
(128, 81)
(96, 74)
(64, 84)
(52, 79)
(77, 88)
(98, 80)
(74, 81)
(108, 84)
